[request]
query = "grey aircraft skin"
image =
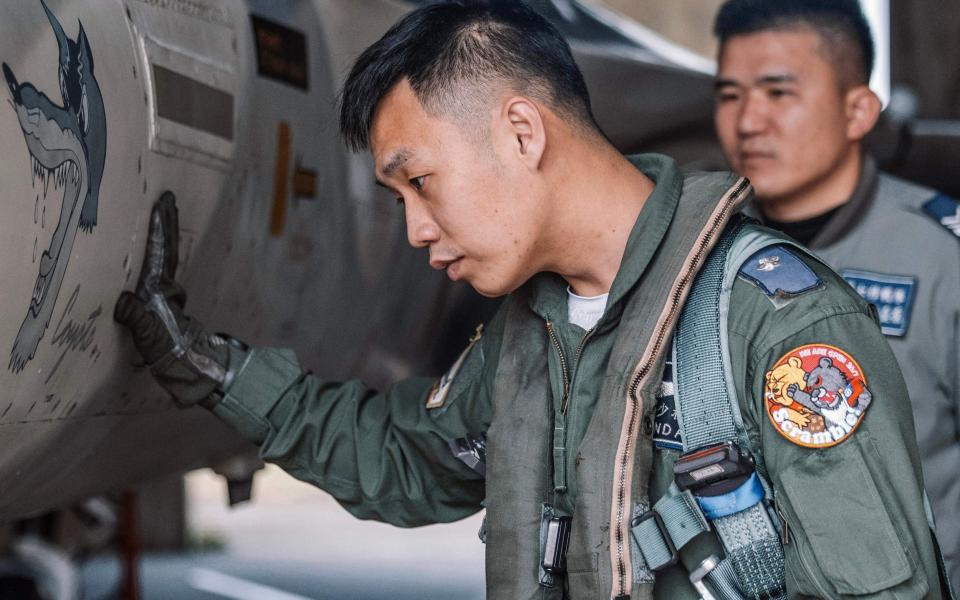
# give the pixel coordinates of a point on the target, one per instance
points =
(285, 240)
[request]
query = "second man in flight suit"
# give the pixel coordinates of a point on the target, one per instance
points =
(792, 108)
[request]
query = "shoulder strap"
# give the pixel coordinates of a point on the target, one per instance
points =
(708, 412)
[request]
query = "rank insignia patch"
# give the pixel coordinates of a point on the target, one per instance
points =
(778, 272)
(891, 294)
(438, 395)
(816, 395)
(946, 211)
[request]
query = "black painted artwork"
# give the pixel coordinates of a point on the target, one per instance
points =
(67, 144)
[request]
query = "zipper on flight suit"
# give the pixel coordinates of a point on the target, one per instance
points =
(560, 421)
(559, 437)
(620, 556)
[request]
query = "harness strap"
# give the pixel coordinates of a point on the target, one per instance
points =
(723, 578)
(754, 552)
(708, 413)
(675, 520)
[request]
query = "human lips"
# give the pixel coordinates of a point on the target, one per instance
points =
(754, 156)
(451, 264)
(442, 263)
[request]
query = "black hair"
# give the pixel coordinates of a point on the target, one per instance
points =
(454, 54)
(840, 23)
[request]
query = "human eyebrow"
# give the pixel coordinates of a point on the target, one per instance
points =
(396, 161)
(719, 84)
(776, 79)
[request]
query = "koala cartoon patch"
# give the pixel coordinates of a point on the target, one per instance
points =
(816, 395)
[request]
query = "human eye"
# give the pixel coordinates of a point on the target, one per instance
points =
(417, 182)
(399, 200)
(724, 96)
(779, 92)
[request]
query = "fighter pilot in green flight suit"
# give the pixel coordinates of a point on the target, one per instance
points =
(479, 121)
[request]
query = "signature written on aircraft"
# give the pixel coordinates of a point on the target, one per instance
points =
(73, 334)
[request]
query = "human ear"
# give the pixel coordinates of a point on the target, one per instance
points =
(863, 109)
(525, 126)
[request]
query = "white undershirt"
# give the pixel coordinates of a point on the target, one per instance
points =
(585, 311)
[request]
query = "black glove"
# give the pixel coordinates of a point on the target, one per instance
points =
(185, 360)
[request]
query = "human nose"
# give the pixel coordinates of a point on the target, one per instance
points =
(753, 115)
(422, 230)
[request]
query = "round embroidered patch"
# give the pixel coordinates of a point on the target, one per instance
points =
(816, 395)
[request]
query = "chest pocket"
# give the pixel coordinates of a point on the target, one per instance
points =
(823, 564)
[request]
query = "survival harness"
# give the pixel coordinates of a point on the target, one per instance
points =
(718, 482)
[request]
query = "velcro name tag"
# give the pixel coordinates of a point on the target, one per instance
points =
(891, 294)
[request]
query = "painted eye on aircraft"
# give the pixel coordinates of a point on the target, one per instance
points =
(63, 83)
(82, 114)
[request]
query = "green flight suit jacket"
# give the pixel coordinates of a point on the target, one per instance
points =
(856, 525)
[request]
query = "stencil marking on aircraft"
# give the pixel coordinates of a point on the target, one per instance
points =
(67, 145)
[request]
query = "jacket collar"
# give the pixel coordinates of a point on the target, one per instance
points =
(852, 212)
(548, 291)
(849, 214)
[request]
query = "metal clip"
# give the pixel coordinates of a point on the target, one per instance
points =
(700, 573)
(784, 525)
(555, 548)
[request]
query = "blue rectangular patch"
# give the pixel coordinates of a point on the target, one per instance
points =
(891, 294)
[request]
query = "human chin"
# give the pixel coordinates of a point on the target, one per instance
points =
(767, 183)
(490, 285)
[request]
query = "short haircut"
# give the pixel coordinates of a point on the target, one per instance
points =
(456, 55)
(841, 25)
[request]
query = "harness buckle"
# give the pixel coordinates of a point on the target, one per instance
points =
(555, 548)
(667, 540)
(714, 470)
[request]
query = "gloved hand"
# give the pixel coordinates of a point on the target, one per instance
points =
(184, 359)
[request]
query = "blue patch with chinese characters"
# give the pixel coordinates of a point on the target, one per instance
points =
(891, 294)
(946, 211)
(666, 433)
(666, 426)
(778, 272)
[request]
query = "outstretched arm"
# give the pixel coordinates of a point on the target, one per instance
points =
(384, 456)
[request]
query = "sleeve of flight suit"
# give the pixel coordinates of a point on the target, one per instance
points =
(854, 513)
(382, 455)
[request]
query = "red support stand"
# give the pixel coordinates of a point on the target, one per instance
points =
(129, 541)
